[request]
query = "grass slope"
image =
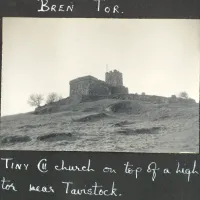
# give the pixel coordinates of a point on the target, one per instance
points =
(105, 125)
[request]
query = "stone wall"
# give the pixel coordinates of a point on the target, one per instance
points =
(147, 98)
(99, 88)
(114, 78)
(80, 86)
(119, 90)
(153, 98)
(89, 85)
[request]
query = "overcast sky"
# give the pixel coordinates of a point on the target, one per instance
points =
(158, 57)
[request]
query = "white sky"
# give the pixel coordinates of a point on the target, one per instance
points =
(158, 57)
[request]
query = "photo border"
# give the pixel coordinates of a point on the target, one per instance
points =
(152, 9)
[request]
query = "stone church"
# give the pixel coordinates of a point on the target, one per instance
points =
(89, 85)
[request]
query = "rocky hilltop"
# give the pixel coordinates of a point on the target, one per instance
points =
(74, 101)
(120, 122)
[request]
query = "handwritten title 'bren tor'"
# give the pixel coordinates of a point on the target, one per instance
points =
(45, 6)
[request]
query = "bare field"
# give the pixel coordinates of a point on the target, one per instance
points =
(106, 125)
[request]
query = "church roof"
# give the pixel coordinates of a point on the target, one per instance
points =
(83, 78)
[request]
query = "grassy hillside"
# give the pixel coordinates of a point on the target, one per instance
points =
(105, 125)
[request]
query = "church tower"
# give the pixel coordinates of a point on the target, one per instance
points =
(114, 78)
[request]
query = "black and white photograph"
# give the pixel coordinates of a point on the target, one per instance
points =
(100, 85)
